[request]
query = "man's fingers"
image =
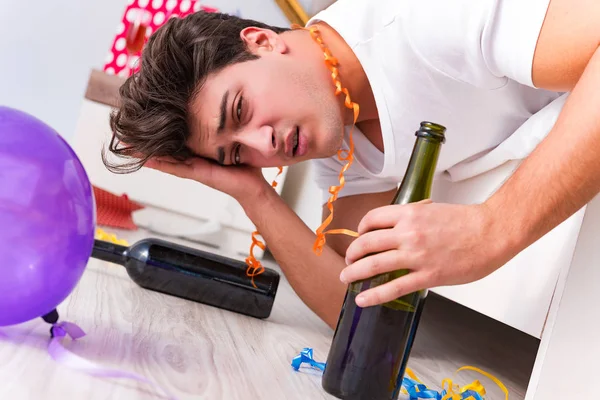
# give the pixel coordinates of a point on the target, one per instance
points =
(179, 170)
(373, 265)
(173, 160)
(379, 218)
(371, 242)
(151, 163)
(387, 216)
(392, 290)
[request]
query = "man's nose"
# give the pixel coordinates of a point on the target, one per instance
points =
(261, 139)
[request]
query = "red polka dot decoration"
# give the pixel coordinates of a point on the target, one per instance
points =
(140, 20)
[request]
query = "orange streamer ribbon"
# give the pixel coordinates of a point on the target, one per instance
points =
(343, 155)
(254, 266)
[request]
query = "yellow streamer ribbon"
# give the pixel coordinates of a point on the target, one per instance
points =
(487, 375)
(109, 237)
(454, 391)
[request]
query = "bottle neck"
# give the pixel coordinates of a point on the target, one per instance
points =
(417, 182)
(111, 252)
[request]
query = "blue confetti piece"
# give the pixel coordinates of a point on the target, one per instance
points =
(306, 356)
(417, 390)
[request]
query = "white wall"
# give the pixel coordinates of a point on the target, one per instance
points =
(314, 6)
(47, 49)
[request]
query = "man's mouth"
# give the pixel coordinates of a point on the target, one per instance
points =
(296, 142)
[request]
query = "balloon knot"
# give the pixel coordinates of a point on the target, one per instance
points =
(52, 317)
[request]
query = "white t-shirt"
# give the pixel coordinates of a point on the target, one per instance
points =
(465, 64)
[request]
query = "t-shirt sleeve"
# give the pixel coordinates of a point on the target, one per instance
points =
(481, 42)
(356, 178)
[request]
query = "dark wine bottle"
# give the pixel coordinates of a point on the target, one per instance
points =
(371, 346)
(193, 274)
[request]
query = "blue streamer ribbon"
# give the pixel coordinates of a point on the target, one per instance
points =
(414, 389)
(306, 356)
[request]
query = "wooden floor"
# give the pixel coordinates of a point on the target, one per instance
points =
(451, 336)
(200, 352)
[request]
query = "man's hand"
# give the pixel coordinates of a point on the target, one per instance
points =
(439, 244)
(236, 181)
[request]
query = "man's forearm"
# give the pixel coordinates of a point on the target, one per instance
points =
(561, 175)
(314, 278)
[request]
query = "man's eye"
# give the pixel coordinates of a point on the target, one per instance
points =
(239, 109)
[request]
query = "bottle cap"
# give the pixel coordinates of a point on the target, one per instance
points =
(432, 130)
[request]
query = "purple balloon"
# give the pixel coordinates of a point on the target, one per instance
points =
(47, 218)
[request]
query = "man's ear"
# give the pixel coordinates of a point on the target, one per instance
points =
(259, 40)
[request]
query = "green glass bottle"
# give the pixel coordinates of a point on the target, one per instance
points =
(371, 346)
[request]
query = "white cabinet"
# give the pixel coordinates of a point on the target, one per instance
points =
(206, 214)
(520, 293)
(570, 347)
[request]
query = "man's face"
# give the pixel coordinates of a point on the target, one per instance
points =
(273, 111)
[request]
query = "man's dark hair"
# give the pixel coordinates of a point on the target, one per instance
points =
(152, 118)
